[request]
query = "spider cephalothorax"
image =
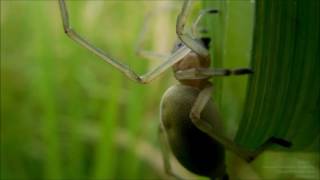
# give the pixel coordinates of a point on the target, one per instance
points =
(194, 61)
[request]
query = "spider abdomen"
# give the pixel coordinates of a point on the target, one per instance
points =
(194, 149)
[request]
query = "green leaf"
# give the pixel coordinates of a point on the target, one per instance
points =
(283, 93)
(282, 97)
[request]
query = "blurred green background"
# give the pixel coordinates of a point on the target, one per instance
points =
(65, 114)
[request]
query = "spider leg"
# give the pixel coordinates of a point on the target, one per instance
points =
(202, 73)
(146, 78)
(165, 149)
(199, 18)
(208, 128)
(186, 38)
(140, 51)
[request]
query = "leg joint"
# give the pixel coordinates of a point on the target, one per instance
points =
(179, 31)
(68, 30)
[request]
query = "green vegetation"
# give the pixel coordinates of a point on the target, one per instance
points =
(63, 110)
(282, 97)
(65, 114)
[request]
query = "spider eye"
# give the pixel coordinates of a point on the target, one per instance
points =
(179, 45)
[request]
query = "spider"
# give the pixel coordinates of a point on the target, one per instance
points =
(190, 124)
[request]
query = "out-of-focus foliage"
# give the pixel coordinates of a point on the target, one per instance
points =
(64, 112)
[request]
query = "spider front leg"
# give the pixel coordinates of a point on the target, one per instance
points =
(209, 128)
(199, 18)
(186, 38)
(139, 49)
(146, 78)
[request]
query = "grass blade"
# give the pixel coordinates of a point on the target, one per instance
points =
(283, 94)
